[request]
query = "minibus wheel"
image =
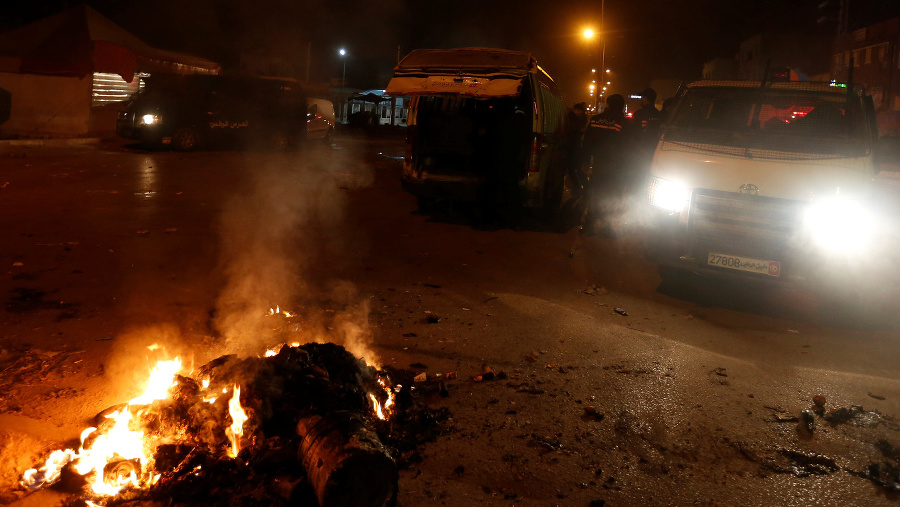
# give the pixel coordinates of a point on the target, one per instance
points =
(185, 139)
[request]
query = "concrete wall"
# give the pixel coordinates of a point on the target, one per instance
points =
(46, 106)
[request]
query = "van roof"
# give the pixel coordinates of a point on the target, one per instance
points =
(474, 72)
(467, 59)
(780, 85)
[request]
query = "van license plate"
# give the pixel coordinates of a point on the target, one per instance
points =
(771, 268)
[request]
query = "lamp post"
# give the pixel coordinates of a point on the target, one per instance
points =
(588, 34)
(343, 54)
(603, 38)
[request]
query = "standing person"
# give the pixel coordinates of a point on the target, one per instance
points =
(647, 123)
(605, 150)
(576, 125)
(648, 113)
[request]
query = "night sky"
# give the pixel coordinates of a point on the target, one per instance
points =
(646, 39)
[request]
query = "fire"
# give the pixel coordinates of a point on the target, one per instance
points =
(50, 471)
(272, 352)
(377, 405)
(383, 411)
(117, 457)
(277, 309)
(161, 380)
(120, 446)
(238, 417)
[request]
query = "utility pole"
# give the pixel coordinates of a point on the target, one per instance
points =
(603, 34)
(343, 89)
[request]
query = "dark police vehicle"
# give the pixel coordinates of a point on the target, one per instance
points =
(188, 112)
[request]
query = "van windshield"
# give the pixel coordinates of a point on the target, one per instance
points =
(767, 122)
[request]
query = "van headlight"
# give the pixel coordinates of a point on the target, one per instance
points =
(149, 119)
(667, 194)
(840, 225)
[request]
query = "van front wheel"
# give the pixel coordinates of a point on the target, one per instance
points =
(185, 139)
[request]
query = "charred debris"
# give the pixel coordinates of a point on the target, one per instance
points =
(312, 436)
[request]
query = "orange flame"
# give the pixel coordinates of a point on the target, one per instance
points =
(383, 411)
(377, 405)
(119, 444)
(238, 417)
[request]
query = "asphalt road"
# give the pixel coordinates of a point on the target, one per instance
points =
(689, 394)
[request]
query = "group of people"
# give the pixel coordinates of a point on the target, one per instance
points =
(609, 154)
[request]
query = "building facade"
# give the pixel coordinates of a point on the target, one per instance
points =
(875, 53)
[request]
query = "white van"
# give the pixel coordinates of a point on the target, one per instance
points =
(320, 119)
(485, 125)
(769, 181)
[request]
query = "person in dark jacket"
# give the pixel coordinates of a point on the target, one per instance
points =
(605, 146)
(645, 135)
(648, 113)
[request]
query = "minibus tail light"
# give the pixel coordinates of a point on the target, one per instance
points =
(534, 160)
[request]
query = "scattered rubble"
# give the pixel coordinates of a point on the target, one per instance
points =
(804, 464)
(487, 373)
(859, 416)
(819, 401)
(885, 474)
(808, 420)
(590, 413)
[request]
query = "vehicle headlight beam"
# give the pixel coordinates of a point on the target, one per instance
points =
(667, 195)
(840, 225)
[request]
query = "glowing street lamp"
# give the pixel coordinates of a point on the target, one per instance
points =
(343, 54)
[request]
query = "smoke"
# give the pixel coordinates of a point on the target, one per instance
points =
(282, 243)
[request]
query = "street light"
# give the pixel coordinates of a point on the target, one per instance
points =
(343, 54)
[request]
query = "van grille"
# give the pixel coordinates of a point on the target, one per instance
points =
(732, 223)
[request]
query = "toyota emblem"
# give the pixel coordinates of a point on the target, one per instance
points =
(749, 189)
